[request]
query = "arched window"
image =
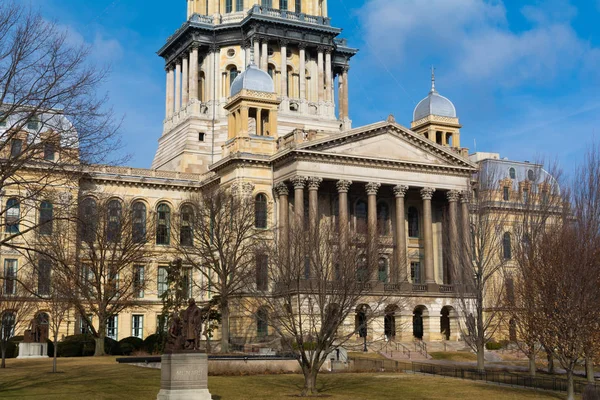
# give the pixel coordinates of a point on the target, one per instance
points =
(413, 222)
(139, 222)
(262, 272)
(382, 270)
(360, 212)
(506, 246)
(163, 224)
(228, 6)
(233, 73)
(262, 323)
(113, 231)
(8, 325)
(383, 219)
(186, 237)
(512, 173)
(13, 215)
(46, 213)
(260, 211)
(88, 220)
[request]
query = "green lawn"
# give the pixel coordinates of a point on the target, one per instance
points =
(103, 378)
(459, 356)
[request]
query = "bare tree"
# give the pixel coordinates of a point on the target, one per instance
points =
(308, 284)
(481, 257)
(219, 232)
(16, 309)
(57, 300)
(533, 215)
(97, 254)
(52, 122)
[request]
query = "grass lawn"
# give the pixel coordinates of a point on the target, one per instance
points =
(453, 356)
(103, 378)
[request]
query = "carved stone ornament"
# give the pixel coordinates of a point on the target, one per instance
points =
(372, 188)
(314, 183)
(299, 182)
(281, 189)
(427, 193)
(343, 186)
(400, 190)
(453, 195)
(465, 196)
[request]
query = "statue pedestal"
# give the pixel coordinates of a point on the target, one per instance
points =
(33, 350)
(184, 376)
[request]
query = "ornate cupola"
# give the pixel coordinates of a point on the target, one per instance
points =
(435, 118)
(252, 118)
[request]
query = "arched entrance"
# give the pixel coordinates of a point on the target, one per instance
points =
(418, 328)
(445, 323)
(389, 322)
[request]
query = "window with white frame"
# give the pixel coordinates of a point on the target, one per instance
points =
(137, 326)
(112, 327)
(162, 280)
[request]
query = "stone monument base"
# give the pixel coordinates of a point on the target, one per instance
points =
(33, 350)
(184, 376)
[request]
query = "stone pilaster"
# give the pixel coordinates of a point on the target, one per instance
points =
(328, 80)
(426, 195)
(264, 55)
(283, 63)
(169, 94)
(177, 86)
(321, 69)
(283, 193)
(302, 68)
(194, 95)
(401, 274)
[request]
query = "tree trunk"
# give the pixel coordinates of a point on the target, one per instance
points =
(310, 382)
(480, 357)
(3, 356)
(100, 343)
(550, 357)
(532, 368)
(55, 352)
(589, 369)
(570, 386)
(225, 327)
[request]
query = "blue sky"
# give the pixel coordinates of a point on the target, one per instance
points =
(524, 75)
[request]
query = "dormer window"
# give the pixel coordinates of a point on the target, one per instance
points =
(512, 173)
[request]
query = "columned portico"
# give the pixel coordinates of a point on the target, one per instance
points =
(426, 195)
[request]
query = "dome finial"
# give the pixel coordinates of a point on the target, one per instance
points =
(432, 79)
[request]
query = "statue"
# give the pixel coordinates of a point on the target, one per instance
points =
(186, 330)
(38, 330)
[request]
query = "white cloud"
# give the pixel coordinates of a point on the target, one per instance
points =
(474, 38)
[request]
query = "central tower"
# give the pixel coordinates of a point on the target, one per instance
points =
(291, 40)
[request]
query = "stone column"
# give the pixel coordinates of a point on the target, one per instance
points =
(453, 240)
(343, 187)
(169, 100)
(341, 106)
(320, 70)
(264, 56)
(345, 73)
(177, 86)
(401, 274)
(210, 78)
(313, 201)
(194, 95)
(247, 53)
(328, 91)
(257, 51)
(284, 84)
(466, 228)
(282, 192)
(302, 71)
(299, 183)
(426, 195)
(185, 81)
(372, 189)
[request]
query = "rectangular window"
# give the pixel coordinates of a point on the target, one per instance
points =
(49, 151)
(137, 326)
(138, 281)
(283, 5)
(44, 268)
(266, 3)
(298, 4)
(262, 274)
(505, 193)
(415, 271)
(33, 124)
(162, 281)
(10, 276)
(16, 146)
(239, 5)
(228, 6)
(84, 327)
(187, 284)
(161, 323)
(201, 136)
(525, 195)
(112, 327)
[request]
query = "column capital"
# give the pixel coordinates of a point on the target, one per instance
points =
(345, 69)
(400, 190)
(284, 42)
(195, 46)
(453, 195)
(314, 182)
(328, 50)
(184, 56)
(343, 186)
(427, 193)
(465, 196)
(299, 182)
(282, 189)
(372, 187)
(302, 45)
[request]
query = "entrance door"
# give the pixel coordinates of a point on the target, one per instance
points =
(418, 324)
(445, 323)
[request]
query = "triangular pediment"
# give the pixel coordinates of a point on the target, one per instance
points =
(391, 142)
